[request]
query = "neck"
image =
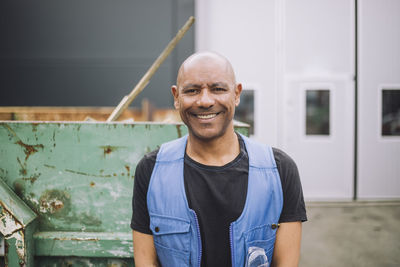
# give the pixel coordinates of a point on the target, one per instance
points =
(214, 152)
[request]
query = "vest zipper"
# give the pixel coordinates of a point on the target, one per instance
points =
(231, 244)
(198, 238)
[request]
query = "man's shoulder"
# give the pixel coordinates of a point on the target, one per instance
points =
(147, 162)
(151, 156)
(283, 159)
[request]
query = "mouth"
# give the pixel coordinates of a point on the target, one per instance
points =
(206, 116)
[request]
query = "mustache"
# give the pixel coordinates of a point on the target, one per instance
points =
(207, 109)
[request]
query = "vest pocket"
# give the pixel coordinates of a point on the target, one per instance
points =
(170, 257)
(262, 237)
(171, 239)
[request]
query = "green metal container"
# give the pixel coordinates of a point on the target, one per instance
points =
(66, 189)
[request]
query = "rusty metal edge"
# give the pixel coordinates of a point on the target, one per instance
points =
(84, 244)
(14, 205)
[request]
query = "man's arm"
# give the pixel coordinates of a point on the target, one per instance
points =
(287, 245)
(144, 251)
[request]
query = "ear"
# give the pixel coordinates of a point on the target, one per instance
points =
(175, 93)
(238, 91)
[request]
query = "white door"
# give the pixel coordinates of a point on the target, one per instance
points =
(379, 99)
(318, 95)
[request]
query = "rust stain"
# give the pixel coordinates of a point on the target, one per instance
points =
(10, 130)
(84, 239)
(88, 174)
(11, 228)
(49, 166)
(19, 247)
(109, 149)
(34, 127)
(8, 223)
(53, 201)
(127, 168)
(22, 171)
(76, 238)
(57, 205)
(29, 149)
(32, 179)
(54, 138)
(178, 128)
(92, 184)
(6, 253)
(52, 206)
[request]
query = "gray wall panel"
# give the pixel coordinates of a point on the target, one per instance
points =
(88, 53)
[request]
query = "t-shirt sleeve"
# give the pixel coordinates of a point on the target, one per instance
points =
(140, 215)
(293, 201)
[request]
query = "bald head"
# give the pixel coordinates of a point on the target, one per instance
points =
(205, 61)
(206, 96)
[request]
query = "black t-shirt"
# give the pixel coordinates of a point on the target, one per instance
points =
(217, 194)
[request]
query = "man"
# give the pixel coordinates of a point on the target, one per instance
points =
(214, 197)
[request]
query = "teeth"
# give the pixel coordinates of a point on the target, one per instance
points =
(208, 116)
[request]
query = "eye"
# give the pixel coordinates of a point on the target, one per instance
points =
(219, 89)
(190, 91)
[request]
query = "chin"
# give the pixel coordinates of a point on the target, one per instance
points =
(207, 135)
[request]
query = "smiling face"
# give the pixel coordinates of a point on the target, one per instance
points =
(206, 95)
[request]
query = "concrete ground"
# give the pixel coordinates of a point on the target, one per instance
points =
(351, 234)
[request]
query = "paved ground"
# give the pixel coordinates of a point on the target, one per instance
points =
(351, 234)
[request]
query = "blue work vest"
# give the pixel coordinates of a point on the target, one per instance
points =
(175, 226)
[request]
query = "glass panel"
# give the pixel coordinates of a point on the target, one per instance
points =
(391, 112)
(245, 111)
(317, 112)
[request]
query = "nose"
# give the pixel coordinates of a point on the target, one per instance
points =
(206, 99)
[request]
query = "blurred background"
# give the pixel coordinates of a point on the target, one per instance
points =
(321, 81)
(88, 53)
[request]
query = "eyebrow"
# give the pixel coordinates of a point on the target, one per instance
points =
(191, 85)
(218, 84)
(194, 85)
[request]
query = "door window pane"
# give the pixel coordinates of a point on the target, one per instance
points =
(391, 112)
(317, 112)
(245, 111)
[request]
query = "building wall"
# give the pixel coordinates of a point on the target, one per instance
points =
(286, 50)
(245, 34)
